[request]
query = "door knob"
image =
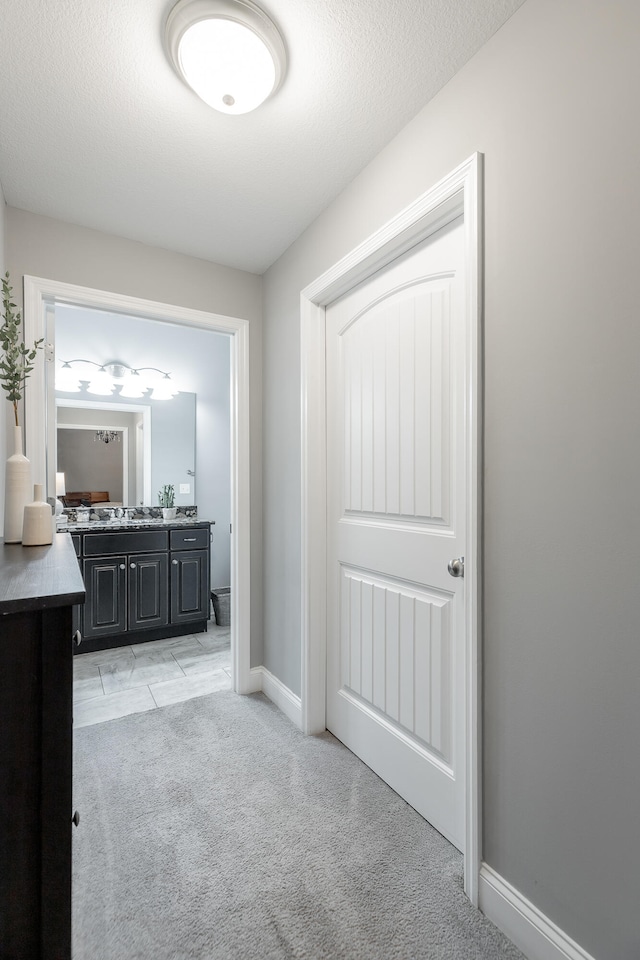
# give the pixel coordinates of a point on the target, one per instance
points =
(132, 565)
(122, 566)
(456, 567)
(75, 818)
(175, 563)
(77, 638)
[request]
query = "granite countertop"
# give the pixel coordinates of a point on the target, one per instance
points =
(95, 526)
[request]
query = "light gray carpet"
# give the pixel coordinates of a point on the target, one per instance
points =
(213, 829)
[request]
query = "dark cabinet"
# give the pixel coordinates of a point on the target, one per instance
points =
(189, 586)
(190, 590)
(125, 593)
(105, 610)
(147, 583)
(38, 586)
(144, 584)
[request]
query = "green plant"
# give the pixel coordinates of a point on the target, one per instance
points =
(17, 359)
(166, 495)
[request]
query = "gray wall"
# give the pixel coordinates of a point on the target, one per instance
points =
(2, 218)
(551, 101)
(43, 247)
(4, 406)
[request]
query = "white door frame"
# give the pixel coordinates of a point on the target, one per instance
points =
(458, 193)
(38, 294)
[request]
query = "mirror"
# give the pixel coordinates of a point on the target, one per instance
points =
(151, 442)
(127, 449)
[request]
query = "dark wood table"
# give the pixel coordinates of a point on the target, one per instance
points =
(38, 587)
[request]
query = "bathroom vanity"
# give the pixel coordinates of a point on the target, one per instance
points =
(144, 580)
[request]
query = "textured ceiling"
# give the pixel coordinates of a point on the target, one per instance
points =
(96, 129)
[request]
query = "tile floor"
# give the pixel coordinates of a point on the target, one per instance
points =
(113, 683)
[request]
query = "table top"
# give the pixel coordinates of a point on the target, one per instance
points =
(37, 578)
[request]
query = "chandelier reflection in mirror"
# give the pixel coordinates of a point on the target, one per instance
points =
(107, 436)
(149, 382)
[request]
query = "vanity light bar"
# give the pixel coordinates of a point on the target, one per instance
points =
(110, 375)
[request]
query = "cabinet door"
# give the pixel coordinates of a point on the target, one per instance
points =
(105, 611)
(189, 586)
(148, 581)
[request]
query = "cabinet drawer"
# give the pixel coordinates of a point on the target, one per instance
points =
(197, 539)
(135, 541)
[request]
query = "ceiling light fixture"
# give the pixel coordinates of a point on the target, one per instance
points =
(228, 51)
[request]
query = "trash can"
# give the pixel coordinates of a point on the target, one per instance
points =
(221, 598)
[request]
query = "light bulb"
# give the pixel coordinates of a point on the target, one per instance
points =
(133, 387)
(101, 384)
(227, 65)
(66, 380)
(163, 390)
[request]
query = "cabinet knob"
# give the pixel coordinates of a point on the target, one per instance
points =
(132, 565)
(75, 818)
(122, 566)
(175, 563)
(77, 638)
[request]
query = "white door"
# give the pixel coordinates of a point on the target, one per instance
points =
(396, 513)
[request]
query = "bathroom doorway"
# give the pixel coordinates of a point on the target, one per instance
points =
(40, 300)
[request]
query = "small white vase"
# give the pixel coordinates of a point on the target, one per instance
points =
(37, 529)
(169, 513)
(17, 490)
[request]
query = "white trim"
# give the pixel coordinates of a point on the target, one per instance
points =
(532, 932)
(38, 293)
(275, 690)
(255, 680)
(459, 192)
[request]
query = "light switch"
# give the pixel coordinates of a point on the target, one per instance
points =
(185, 488)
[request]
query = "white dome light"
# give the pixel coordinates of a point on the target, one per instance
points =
(228, 51)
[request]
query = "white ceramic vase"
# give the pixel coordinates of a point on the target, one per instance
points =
(37, 528)
(169, 513)
(17, 490)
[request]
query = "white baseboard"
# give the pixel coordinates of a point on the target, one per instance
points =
(255, 681)
(284, 699)
(531, 931)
